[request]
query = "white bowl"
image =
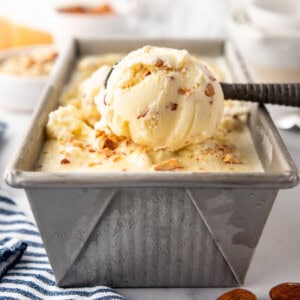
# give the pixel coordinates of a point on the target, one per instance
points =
(278, 16)
(20, 93)
(69, 25)
(264, 48)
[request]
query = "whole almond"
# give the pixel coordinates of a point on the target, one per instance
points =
(285, 291)
(238, 294)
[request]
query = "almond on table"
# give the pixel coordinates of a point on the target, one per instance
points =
(285, 291)
(238, 294)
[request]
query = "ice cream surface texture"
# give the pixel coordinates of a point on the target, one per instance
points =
(161, 98)
(150, 94)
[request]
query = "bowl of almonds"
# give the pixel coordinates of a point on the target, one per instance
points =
(23, 74)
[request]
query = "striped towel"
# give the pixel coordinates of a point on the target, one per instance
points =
(25, 272)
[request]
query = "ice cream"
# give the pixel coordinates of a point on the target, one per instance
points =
(77, 141)
(161, 98)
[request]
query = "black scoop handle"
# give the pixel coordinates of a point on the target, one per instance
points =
(279, 93)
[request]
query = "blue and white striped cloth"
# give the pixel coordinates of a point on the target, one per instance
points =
(25, 272)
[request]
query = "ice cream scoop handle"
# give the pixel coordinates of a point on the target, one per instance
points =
(282, 94)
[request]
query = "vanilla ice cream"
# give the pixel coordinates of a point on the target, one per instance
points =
(161, 98)
(153, 93)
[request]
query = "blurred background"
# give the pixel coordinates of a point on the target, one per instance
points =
(30, 21)
(267, 32)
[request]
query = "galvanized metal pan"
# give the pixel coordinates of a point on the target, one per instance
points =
(151, 229)
(278, 165)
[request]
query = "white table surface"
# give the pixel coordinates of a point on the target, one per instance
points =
(276, 259)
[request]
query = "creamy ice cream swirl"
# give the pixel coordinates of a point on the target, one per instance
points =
(162, 98)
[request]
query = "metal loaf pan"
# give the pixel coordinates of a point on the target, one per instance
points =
(151, 229)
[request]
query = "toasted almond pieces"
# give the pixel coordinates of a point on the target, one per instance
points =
(167, 165)
(209, 90)
(231, 159)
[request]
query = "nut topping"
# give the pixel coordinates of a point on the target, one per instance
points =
(93, 164)
(231, 159)
(167, 165)
(108, 152)
(109, 144)
(209, 91)
(159, 63)
(174, 106)
(183, 90)
(65, 161)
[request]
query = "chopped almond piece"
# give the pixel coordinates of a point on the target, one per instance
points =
(99, 133)
(183, 90)
(209, 91)
(128, 142)
(159, 63)
(90, 148)
(65, 161)
(78, 144)
(92, 164)
(167, 165)
(110, 144)
(108, 152)
(174, 106)
(231, 159)
(116, 157)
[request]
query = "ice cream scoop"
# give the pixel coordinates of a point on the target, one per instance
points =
(162, 98)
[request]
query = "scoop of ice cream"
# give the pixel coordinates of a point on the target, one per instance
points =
(161, 98)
